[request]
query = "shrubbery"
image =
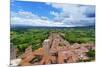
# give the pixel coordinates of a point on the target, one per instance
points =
(80, 36)
(91, 53)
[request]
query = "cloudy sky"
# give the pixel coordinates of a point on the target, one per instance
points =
(51, 14)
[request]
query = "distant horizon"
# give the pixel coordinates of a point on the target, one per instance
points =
(48, 26)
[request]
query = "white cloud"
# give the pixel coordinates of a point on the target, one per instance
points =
(54, 13)
(28, 18)
(74, 14)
